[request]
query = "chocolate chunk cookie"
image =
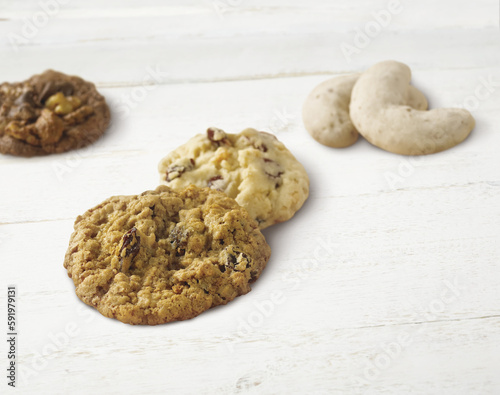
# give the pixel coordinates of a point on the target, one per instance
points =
(252, 167)
(50, 113)
(164, 255)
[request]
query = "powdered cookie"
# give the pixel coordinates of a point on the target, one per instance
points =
(252, 167)
(164, 256)
(50, 113)
(326, 111)
(382, 114)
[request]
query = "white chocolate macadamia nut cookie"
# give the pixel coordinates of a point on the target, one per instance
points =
(252, 167)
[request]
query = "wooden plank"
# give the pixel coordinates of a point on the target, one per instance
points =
(205, 59)
(465, 13)
(206, 48)
(436, 358)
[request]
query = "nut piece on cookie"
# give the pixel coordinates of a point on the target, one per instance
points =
(78, 116)
(61, 104)
(164, 255)
(252, 167)
(178, 168)
(217, 136)
(47, 129)
(50, 113)
(217, 183)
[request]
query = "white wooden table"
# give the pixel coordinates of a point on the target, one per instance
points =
(386, 282)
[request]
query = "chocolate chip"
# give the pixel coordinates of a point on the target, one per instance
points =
(46, 92)
(23, 112)
(52, 87)
(66, 88)
(26, 98)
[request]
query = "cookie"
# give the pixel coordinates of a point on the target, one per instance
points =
(50, 113)
(326, 111)
(164, 255)
(252, 167)
(382, 113)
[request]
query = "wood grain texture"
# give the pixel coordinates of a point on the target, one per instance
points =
(387, 281)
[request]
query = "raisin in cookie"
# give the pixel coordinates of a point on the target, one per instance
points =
(252, 167)
(164, 255)
(50, 113)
